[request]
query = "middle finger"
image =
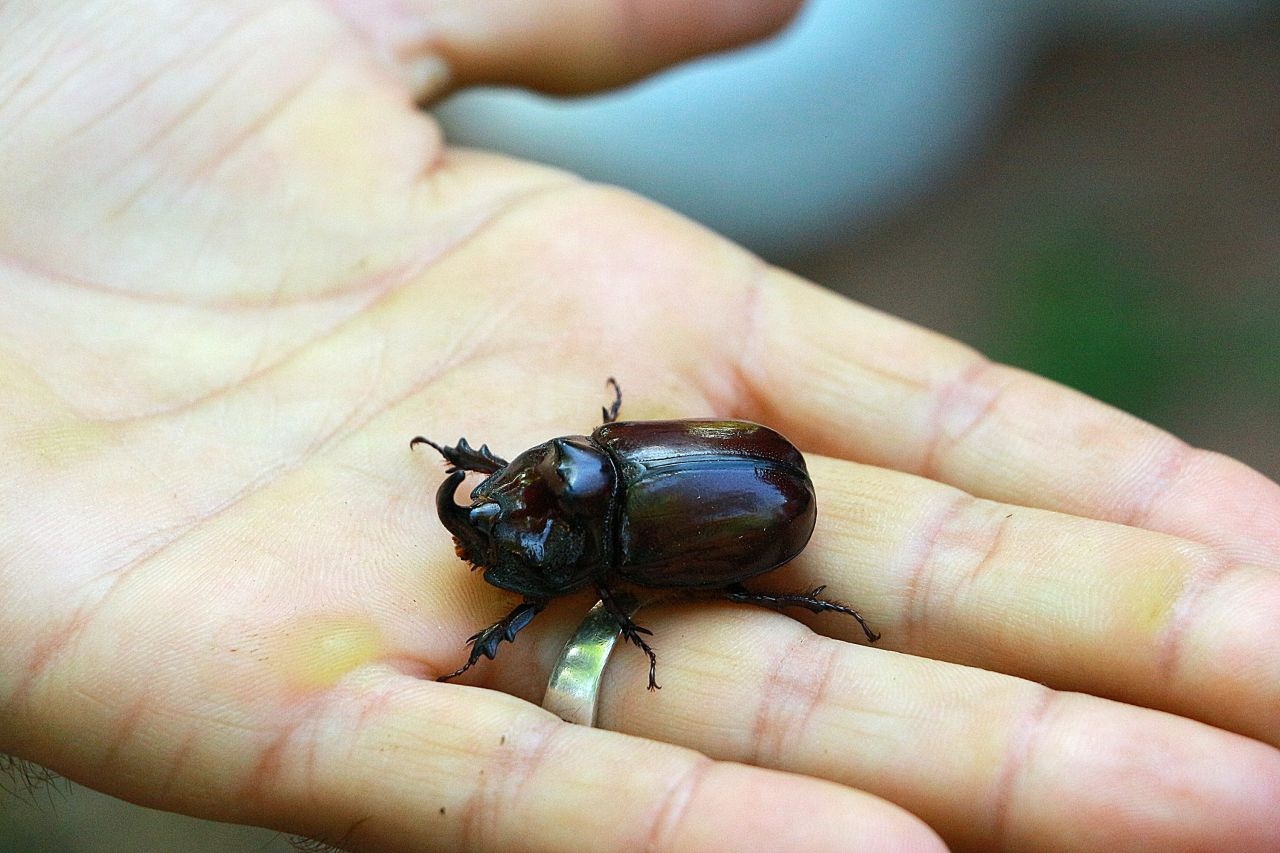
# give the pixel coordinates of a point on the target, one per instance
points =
(1075, 603)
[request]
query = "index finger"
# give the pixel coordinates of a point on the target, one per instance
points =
(847, 381)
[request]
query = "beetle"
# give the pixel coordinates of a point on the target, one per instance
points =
(692, 505)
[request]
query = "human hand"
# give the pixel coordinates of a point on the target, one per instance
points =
(241, 271)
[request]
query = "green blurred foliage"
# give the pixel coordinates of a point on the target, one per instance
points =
(1081, 305)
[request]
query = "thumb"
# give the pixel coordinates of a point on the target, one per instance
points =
(554, 45)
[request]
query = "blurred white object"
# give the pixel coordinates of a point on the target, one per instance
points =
(818, 132)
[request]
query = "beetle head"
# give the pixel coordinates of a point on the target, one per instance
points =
(539, 525)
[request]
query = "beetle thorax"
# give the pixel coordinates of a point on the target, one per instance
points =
(535, 525)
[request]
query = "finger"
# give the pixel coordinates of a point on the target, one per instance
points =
(990, 761)
(847, 381)
(1075, 603)
(389, 762)
(479, 770)
(556, 46)
(239, 700)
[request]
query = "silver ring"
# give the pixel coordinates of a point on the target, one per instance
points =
(574, 686)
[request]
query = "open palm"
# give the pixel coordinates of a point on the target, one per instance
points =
(239, 271)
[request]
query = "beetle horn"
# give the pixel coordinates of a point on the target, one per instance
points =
(456, 518)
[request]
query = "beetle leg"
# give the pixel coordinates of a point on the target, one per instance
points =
(808, 600)
(629, 630)
(464, 457)
(611, 413)
(485, 643)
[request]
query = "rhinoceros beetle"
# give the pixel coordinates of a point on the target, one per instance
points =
(697, 505)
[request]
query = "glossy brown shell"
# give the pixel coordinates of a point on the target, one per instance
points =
(706, 503)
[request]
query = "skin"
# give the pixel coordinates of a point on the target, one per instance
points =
(240, 270)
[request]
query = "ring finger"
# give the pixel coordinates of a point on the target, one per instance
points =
(990, 761)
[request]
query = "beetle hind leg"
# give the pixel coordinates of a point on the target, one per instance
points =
(810, 601)
(485, 643)
(464, 457)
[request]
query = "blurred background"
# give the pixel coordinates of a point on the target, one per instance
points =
(1088, 189)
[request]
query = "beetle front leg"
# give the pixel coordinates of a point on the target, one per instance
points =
(464, 457)
(485, 643)
(629, 630)
(808, 600)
